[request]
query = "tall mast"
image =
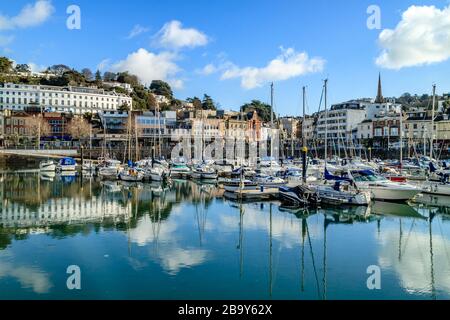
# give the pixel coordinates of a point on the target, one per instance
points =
(304, 147)
(326, 120)
(271, 123)
(271, 106)
(401, 139)
(432, 122)
(303, 127)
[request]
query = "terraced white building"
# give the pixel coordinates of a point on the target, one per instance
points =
(78, 100)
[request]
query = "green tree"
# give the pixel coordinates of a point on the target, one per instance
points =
(23, 68)
(5, 65)
(208, 103)
(124, 107)
(176, 103)
(262, 109)
(74, 78)
(161, 88)
(196, 102)
(125, 77)
(98, 76)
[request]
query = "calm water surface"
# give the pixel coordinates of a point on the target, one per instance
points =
(141, 241)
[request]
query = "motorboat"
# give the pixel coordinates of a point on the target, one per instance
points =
(236, 184)
(109, 169)
(204, 172)
(299, 195)
(131, 174)
(67, 164)
(342, 193)
(47, 166)
(179, 170)
(438, 183)
(269, 181)
(382, 188)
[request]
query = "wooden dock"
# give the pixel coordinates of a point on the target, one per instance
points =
(253, 194)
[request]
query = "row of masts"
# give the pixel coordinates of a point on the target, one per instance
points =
(325, 95)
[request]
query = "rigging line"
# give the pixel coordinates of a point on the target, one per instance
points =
(278, 253)
(442, 234)
(313, 261)
(419, 250)
(408, 235)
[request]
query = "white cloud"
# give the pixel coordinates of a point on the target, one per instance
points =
(137, 30)
(421, 37)
(208, 69)
(174, 36)
(174, 259)
(31, 15)
(414, 269)
(5, 40)
(29, 277)
(149, 66)
(288, 65)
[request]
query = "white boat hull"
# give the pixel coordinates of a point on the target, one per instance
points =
(390, 194)
(108, 173)
(68, 168)
(436, 188)
(47, 168)
(132, 178)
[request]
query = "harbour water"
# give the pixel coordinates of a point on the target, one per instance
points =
(185, 241)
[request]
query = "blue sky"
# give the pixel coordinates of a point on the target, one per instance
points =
(238, 39)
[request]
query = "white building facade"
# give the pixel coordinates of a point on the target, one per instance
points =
(78, 100)
(340, 121)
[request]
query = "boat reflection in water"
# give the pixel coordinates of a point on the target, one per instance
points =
(186, 241)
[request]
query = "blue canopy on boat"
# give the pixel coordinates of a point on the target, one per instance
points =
(329, 176)
(67, 162)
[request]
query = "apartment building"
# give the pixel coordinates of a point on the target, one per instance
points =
(340, 121)
(77, 100)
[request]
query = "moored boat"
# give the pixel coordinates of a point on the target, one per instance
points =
(47, 166)
(67, 164)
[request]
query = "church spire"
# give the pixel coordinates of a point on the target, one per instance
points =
(379, 98)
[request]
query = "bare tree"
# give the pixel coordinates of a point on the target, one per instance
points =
(38, 127)
(79, 128)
